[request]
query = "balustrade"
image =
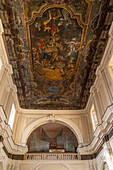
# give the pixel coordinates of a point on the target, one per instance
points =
(51, 156)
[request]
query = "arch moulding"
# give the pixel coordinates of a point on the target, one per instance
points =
(50, 119)
(63, 166)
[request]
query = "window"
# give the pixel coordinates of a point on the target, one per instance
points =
(94, 118)
(12, 116)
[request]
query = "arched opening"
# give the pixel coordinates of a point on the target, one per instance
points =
(51, 167)
(52, 137)
(104, 166)
(48, 119)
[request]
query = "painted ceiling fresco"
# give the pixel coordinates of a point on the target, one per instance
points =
(55, 47)
(52, 136)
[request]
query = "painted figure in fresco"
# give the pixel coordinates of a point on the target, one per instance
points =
(47, 28)
(38, 26)
(55, 44)
(54, 28)
(53, 23)
(73, 45)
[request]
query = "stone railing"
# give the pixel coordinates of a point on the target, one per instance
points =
(52, 156)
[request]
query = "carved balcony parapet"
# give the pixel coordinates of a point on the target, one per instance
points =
(51, 156)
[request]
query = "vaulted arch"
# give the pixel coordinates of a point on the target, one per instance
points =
(70, 124)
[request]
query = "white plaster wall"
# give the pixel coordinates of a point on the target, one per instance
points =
(105, 156)
(77, 123)
(50, 165)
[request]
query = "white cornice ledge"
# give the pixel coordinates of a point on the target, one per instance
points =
(46, 112)
(101, 131)
(6, 133)
(108, 113)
